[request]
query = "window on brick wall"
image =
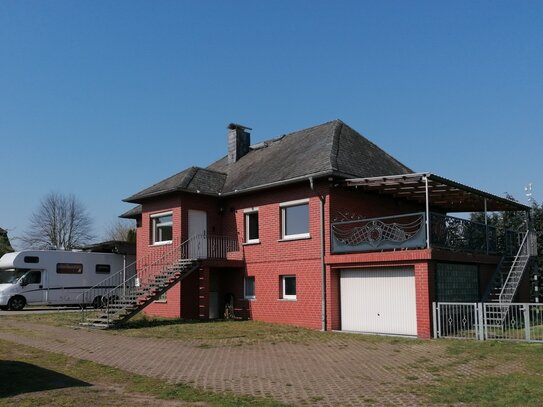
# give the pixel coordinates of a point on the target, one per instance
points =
(162, 228)
(251, 226)
(295, 219)
(288, 287)
(249, 288)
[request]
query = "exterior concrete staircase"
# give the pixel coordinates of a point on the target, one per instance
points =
(507, 278)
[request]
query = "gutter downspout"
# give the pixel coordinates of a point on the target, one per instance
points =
(323, 265)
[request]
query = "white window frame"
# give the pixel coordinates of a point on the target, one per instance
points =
(284, 295)
(249, 297)
(284, 206)
(155, 225)
(246, 213)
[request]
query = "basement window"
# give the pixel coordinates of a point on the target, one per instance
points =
(295, 219)
(251, 226)
(162, 227)
(249, 288)
(288, 287)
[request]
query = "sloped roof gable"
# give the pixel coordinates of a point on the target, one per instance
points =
(329, 149)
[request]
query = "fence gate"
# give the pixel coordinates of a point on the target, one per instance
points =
(457, 320)
(515, 321)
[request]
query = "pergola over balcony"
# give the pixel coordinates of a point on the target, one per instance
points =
(431, 228)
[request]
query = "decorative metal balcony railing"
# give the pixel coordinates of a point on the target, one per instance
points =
(408, 231)
(384, 233)
(448, 232)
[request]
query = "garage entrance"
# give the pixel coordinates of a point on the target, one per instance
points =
(379, 300)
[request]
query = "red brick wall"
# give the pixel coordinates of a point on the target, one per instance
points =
(333, 303)
(171, 308)
(270, 259)
(147, 252)
(424, 283)
(367, 204)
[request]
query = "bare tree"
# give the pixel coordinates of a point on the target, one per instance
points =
(5, 245)
(61, 221)
(122, 230)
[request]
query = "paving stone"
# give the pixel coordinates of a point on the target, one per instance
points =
(341, 372)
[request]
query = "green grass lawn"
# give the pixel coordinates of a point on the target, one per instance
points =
(212, 333)
(31, 377)
(468, 372)
(503, 374)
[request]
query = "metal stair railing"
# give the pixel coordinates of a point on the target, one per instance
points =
(520, 263)
(101, 294)
(135, 298)
(118, 289)
(516, 271)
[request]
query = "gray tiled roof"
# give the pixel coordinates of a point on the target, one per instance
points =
(332, 148)
(193, 179)
(133, 213)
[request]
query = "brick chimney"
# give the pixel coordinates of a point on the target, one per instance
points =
(239, 140)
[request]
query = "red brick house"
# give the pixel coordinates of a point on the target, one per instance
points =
(318, 228)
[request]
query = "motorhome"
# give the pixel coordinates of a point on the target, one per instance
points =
(56, 277)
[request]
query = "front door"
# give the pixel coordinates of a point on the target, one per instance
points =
(197, 234)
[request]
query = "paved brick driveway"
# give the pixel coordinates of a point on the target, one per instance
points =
(341, 372)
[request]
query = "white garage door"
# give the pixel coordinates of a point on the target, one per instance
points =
(379, 300)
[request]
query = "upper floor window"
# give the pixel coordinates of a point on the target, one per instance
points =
(251, 226)
(162, 228)
(295, 219)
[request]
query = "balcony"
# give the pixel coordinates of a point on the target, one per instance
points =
(411, 231)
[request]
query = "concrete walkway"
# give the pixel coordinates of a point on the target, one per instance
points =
(341, 372)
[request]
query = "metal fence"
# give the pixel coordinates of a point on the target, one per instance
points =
(488, 321)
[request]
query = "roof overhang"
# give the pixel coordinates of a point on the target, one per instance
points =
(445, 194)
(133, 213)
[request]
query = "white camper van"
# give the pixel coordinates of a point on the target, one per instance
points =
(55, 277)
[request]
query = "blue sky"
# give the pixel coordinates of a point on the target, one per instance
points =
(102, 99)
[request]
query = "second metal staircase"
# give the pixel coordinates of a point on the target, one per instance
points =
(507, 279)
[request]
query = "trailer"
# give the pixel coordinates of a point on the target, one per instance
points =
(57, 277)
